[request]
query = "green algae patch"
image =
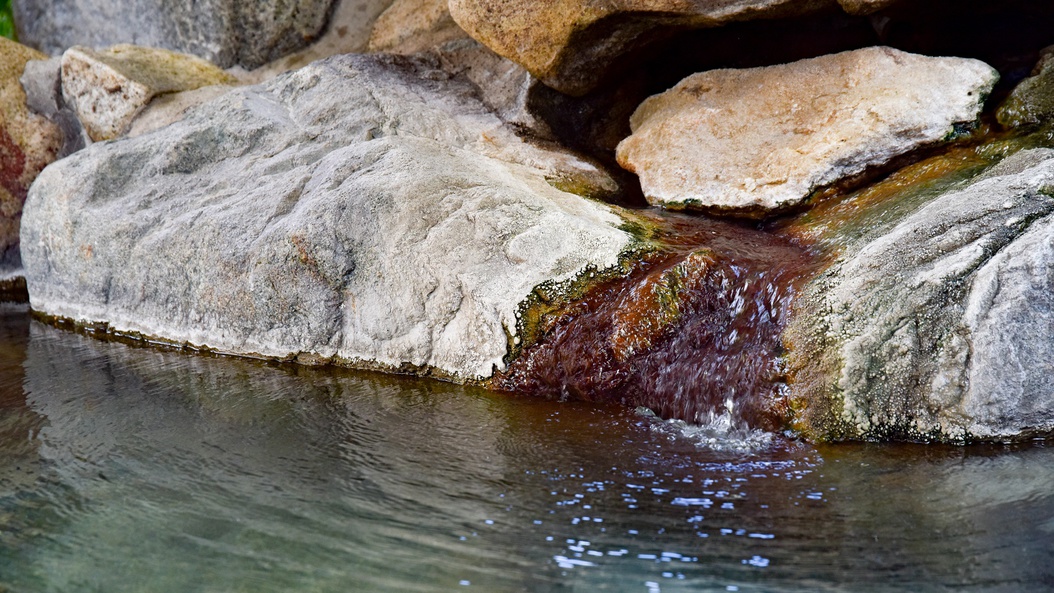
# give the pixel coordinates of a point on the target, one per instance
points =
(1031, 103)
(550, 301)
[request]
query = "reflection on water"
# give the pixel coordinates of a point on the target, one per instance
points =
(134, 469)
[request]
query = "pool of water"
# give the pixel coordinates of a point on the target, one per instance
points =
(128, 468)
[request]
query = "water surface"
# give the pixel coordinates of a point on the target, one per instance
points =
(126, 468)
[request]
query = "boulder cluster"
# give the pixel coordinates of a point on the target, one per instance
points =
(844, 207)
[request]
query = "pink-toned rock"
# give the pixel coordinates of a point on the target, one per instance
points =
(28, 142)
(758, 140)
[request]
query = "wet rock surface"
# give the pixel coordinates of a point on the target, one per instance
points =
(28, 142)
(1032, 102)
(692, 333)
(226, 32)
(759, 140)
(363, 210)
(934, 322)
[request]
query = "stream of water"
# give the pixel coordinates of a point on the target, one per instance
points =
(130, 468)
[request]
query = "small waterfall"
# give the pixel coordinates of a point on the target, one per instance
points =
(693, 334)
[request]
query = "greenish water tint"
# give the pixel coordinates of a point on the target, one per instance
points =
(7, 20)
(135, 469)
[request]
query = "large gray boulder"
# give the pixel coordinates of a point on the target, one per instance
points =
(226, 32)
(366, 210)
(936, 321)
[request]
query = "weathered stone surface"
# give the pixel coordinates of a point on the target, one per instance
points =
(1032, 101)
(28, 142)
(348, 32)
(108, 88)
(504, 86)
(937, 323)
(363, 209)
(410, 26)
(42, 82)
(761, 139)
(571, 44)
(226, 32)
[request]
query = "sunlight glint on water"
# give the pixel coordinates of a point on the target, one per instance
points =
(130, 469)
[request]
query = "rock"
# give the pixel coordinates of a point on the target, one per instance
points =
(503, 85)
(172, 107)
(28, 142)
(42, 82)
(758, 140)
(935, 323)
(572, 44)
(225, 32)
(108, 88)
(1032, 101)
(348, 32)
(411, 26)
(355, 211)
(865, 6)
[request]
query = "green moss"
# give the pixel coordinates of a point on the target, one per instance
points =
(7, 21)
(550, 299)
(1031, 103)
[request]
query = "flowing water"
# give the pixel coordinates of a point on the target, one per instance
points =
(129, 468)
(693, 333)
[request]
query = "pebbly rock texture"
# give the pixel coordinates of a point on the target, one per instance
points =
(936, 324)
(1032, 101)
(759, 140)
(108, 88)
(28, 142)
(410, 26)
(365, 210)
(226, 32)
(571, 44)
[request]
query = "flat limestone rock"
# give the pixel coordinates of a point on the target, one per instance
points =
(247, 33)
(28, 142)
(936, 325)
(759, 140)
(354, 211)
(108, 88)
(571, 44)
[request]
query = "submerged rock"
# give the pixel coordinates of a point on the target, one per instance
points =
(762, 139)
(365, 210)
(108, 88)
(935, 320)
(226, 32)
(28, 142)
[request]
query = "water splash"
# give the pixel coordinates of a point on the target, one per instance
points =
(693, 334)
